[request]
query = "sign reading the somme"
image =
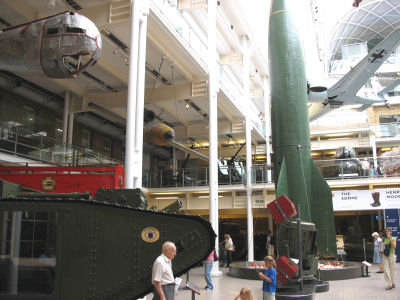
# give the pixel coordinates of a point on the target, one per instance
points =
(366, 199)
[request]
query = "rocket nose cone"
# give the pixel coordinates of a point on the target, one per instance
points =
(169, 135)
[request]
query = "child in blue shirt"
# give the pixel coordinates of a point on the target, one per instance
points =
(269, 278)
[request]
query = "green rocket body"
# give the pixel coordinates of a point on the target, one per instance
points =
(295, 173)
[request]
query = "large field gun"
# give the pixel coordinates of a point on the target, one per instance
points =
(71, 246)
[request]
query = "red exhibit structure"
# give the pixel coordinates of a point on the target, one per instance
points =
(65, 179)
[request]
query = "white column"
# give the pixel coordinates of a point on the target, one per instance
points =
(137, 176)
(67, 102)
(132, 95)
(249, 202)
(213, 123)
(267, 119)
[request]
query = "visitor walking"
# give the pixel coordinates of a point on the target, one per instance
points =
(389, 259)
(208, 264)
(162, 276)
(378, 251)
(229, 248)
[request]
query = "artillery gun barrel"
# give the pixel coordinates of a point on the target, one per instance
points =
(230, 162)
(173, 207)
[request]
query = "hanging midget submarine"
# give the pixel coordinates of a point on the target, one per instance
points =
(59, 46)
(295, 173)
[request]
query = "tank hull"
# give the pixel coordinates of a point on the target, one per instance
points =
(101, 250)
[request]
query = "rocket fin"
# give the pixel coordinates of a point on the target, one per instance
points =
(282, 186)
(322, 212)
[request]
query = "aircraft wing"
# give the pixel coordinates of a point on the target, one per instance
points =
(316, 110)
(344, 92)
(354, 80)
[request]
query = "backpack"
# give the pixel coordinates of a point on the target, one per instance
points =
(272, 242)
(386, 250)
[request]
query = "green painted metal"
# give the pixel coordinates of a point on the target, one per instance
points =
(295, 173)
(9, 188)
(104, 247)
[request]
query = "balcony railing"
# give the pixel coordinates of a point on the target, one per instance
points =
(193, 177)
(18, 141)
(335, 169)
(183, 28)
(387, 130)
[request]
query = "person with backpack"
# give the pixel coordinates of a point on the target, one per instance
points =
(270, 243)
(389, 259)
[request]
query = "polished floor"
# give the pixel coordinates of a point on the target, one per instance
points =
(227, 287)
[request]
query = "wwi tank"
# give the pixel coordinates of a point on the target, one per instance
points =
(71, 246)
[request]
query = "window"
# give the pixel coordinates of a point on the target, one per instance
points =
(52, 31)
(28, 249)
(74, 30)
(28, 118)
(86, 138)
(107, 147)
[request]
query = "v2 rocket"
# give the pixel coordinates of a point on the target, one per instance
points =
(295, 173)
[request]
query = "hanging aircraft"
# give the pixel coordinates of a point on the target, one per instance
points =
(59, 46)
(229, 171)
(344, 92)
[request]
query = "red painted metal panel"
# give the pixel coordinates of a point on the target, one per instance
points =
(65, 179)
(286, 269)
(281, 209)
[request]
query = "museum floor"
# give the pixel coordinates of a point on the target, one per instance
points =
(226, 287)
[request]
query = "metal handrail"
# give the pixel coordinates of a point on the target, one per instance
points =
(333, 169)
(18, 141)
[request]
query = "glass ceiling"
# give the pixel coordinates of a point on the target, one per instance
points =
(368, 24)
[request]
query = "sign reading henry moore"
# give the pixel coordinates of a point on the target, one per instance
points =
(366, 199)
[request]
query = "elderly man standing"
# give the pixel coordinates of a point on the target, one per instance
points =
(162, 276)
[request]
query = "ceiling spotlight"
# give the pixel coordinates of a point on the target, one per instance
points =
(187, 104)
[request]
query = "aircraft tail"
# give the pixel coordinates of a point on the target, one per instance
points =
(389, 88)
(363, 107)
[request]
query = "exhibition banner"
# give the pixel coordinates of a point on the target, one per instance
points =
(366, 199)
(392, 221)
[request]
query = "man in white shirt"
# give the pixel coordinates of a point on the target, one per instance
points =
(162, 276)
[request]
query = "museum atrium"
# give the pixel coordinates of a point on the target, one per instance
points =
(85, 120)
